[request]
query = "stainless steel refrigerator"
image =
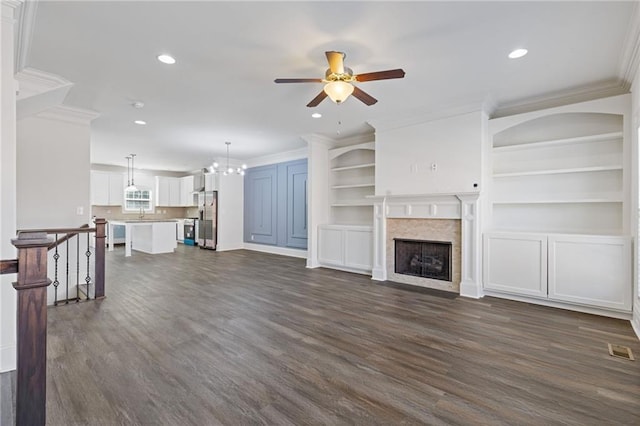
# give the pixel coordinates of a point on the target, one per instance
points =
(208, 219)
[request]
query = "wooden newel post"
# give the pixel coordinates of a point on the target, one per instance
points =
(100, 248)
(31, 381)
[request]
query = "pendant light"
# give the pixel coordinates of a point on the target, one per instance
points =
(131, 186)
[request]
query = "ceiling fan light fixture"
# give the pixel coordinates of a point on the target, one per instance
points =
(338, 91)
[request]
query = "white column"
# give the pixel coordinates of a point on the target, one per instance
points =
(7, 184)
(471, 283)
(379, 272)
(317, 193)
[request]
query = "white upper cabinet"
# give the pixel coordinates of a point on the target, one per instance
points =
(107, 189)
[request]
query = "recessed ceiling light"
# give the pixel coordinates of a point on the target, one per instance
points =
(518, 53)
(166, 59)
(316, 115)
(140, 122)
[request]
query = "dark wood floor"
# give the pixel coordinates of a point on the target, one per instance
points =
(236, 338)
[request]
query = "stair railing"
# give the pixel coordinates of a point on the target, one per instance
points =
(31, 285)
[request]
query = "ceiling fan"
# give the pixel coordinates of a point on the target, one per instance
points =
(338, 79)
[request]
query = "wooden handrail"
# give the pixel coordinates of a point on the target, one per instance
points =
(80, 230)
(9, 266)
(67, 236)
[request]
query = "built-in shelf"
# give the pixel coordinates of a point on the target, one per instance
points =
(351, 180)
(557, 142)
(358, 185)
(357, 166)
(559, 171)
(617, 199)
(353, 203)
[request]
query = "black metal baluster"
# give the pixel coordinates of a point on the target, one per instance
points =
(66, 302)
(77, 268)
(88, 278)
(56, 283)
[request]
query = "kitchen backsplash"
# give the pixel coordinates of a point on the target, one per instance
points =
(115, 212)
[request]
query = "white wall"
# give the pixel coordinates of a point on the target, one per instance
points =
(53, 172)
(7, 188)
(405, 155)
(230, 212)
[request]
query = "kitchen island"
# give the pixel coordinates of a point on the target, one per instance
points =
(151, 236)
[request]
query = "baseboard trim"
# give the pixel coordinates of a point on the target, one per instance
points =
(560, 305)
(284, 251)
(471, 289)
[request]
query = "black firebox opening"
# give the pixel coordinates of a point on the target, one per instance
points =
(421, 258)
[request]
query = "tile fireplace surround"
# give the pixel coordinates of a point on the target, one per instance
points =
(441, 217)
(446, 230)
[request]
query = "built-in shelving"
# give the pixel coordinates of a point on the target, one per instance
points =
(557, 215)
(557, 142)
(357, 166)
(351, 182)
(561, 171)
(558, 171)
(358, 185)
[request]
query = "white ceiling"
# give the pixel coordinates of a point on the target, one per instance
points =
(228, 54)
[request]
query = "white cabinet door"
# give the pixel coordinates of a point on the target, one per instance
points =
(331, 246)
(186, 191)
(515, 263)
(210, 182)
(174, 192)
(358, 250)
(162, 191)
(116, 189)
(99, 188)
(591, 270)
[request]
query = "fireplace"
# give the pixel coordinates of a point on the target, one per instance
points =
(422, 258)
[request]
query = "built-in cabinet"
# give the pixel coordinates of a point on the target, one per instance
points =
(348, 247)
(558, 201)
(107, 188)
(347, 241)
(275, 205)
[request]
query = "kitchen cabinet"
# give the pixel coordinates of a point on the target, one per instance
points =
(168, 191)
(187, 191)
(107, 188)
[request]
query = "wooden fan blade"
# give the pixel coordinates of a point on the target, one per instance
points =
(380, 75)
(336, 61)
(298, 80)
(363, 96)
(315, 101)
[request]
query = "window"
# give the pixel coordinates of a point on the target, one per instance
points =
(138, 200)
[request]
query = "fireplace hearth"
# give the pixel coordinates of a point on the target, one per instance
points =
(423, 258)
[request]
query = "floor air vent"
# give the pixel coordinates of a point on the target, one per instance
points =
(620, 351)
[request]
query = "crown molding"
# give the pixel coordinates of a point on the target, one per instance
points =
(428, 115)
(69, 114)
(8, 10)
(281, 157)
(34, 82)
(24, 33)
(630, 59)
(316, 138)
(565, 97)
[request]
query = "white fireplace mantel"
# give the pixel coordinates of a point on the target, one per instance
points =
(463, 206)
